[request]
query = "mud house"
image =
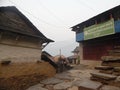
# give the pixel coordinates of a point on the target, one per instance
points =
(98, 35)
(20, 40)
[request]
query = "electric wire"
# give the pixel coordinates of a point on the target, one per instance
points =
(40, 20)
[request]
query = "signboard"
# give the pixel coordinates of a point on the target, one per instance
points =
(99, 30)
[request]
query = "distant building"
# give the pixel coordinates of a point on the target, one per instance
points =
(72, 59)
(98, 35)
(20, 40)
(58, 57)
(45, 56)
(76, 51)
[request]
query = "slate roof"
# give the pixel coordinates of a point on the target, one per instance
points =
(34, 33)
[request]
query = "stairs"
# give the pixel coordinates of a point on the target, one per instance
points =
(109, 70)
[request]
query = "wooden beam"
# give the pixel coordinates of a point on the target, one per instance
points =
(43, 46)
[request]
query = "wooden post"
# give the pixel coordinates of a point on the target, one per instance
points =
(111, 17)
(1, 36)
(95, 21)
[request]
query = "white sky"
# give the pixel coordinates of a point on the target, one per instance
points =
(55, 17)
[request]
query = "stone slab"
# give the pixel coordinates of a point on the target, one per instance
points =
(49, 87)
(107, 87)
(63, 86)
(116, 82)
(110, 58)
(88, 85)
(73, 88)
(103, 67)
(51, 81)
(117, 69)
(111, 63)
(64, 76)
(118, 79)
(106, 71)
(101, 80)
(36, 87)
(114, 51)
(103, 76)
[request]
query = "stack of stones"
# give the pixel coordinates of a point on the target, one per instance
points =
(109, 71)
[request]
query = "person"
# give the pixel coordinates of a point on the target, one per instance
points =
(78, 59)
(60, 64)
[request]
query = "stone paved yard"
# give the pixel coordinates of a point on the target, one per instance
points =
(77, 78)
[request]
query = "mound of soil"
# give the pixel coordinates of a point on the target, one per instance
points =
(19, 76)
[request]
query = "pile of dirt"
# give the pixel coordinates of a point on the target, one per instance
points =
(19, 76)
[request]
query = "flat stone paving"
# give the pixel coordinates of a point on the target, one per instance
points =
(51, 81)
(74, 79)
(107, 87)
(89, 85)
(63, 86)
(37, 87)
(104, 76)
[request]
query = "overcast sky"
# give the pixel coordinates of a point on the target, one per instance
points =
(55, 17)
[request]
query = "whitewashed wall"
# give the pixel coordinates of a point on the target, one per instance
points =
(19, 54)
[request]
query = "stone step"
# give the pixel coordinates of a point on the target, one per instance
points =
(117, 47)
(117, 69)
(116, 82)
(88, 85)
(114, 51)
(106, 71)
(111, 63)
(103, 76)
(107, 87)
(103, 67)
(114, 54)
(110, 58)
